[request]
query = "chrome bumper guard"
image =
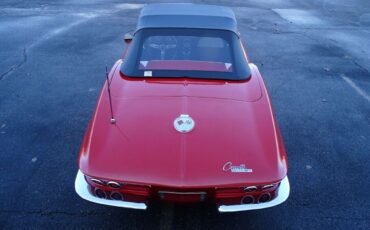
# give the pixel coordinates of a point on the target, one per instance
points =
(82, 189)
(283, 194)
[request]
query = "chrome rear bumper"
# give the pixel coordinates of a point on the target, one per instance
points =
(82, 190)
(283, 194)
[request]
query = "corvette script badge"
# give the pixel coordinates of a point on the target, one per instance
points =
(228, 166)
(184, 123)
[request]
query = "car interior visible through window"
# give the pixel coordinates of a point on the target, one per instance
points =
(193, 53)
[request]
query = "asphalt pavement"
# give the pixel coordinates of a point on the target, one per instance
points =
(315, 59)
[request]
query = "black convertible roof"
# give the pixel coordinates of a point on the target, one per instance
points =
(187, 15)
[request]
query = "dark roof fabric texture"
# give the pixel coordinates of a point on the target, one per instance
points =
(187, 15)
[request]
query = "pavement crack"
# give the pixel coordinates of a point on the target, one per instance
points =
(353, 61)
(17, 66)
(361, 67)
(304, 34)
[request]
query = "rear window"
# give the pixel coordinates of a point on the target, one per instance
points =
(193, 53)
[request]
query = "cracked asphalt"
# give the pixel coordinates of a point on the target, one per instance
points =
(315, 59)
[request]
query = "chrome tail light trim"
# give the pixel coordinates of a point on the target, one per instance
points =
(82, 189)
(283, 194)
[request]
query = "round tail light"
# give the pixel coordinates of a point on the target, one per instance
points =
(247, 200)
(264, 197)
(116, 196)
(100, 193)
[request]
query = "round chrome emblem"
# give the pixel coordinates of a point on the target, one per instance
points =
(184, 123)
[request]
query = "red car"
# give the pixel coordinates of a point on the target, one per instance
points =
(184, 117)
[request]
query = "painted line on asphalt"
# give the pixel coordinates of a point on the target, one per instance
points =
(355, 87)
(59, 30)
(130, 6)
(86, 16)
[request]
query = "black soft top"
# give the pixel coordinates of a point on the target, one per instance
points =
(187, 15)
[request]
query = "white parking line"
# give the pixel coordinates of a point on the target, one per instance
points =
(59, 30)
(129, 6)
(355, 87)
(85, 16)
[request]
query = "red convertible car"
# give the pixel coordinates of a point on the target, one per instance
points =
(184, 117)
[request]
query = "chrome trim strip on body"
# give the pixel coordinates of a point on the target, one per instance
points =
(283, 194)
(82, 189)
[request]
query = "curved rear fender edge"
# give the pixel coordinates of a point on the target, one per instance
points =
(279, 139)
(87, 136)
